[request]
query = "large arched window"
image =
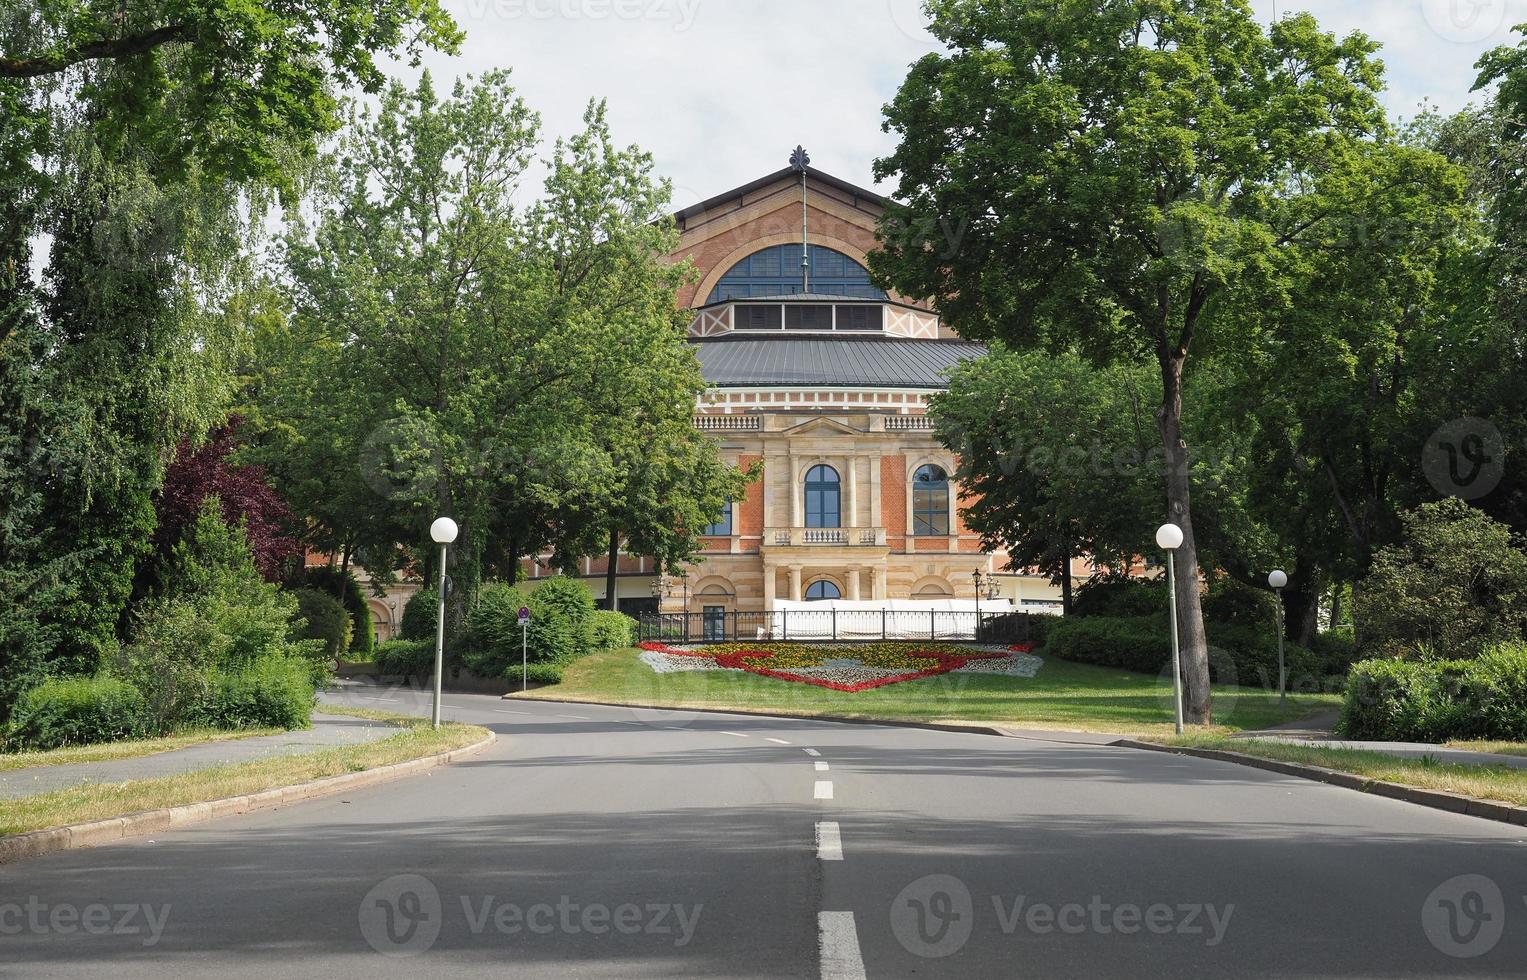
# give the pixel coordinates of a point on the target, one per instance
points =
(823, 496)
(823, 589)
(776, 271)
(930, 501)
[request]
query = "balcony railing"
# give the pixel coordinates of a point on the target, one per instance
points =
(729, 423)
(825, 537)
(908, 423)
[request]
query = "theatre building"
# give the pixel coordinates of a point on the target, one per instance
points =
(825, 379)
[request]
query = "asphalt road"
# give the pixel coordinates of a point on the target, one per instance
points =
(615, 843)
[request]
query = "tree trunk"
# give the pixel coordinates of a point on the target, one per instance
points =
(1335, 604)
(1301, 612)
(1066, 588)
(1197, 708)
(611, 601)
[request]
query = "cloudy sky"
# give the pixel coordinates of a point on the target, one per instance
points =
(720, 91)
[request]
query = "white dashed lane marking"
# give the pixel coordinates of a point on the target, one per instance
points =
(812, 752)
(735, 734)
(838, 946)
(776, 741)
(829, 841)
(821, 766)
(823, 789)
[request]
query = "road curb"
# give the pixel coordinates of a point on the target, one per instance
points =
(1435, 799)
(18, 847)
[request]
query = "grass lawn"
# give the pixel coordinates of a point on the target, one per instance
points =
(1063, 696)
(1502, 783)
(131, 749)
(79, 804)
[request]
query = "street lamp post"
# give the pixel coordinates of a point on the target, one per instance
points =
(977, 576)
(1278, 580)
(1169, 538)
(443, 531)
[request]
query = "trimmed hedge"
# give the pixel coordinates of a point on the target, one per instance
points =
(1439, 700)
(272, 692)
(1239, 654)
(75, 711)
(611, 630)
(406, 658)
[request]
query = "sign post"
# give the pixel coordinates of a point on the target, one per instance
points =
(524, 659)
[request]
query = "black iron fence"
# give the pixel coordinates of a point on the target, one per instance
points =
(837, 625)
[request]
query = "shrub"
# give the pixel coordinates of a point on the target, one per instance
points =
(1456, 585)
(1139, 643)
(75, 711)
(560, 611)
(1439, 700)
(611, 630)
(324, 619)
(1120, 598)
(217, 616)
(271, 692)
(406, 658)
(343, 585)
(1238, 654)
(420, 616)
(568, 599)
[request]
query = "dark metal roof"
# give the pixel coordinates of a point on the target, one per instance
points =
(858, 362)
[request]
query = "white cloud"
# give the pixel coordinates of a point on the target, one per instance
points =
(720, 91)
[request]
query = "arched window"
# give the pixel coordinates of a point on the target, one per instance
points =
(823, 494)
(930, 501)
(776, 271)
(822, 589)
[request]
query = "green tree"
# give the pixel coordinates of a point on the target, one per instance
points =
(1455, 585)
(1059, 460)
(499, 361)
(1111, 175)
(136, 145)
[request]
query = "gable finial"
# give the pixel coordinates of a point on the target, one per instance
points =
(800, 160)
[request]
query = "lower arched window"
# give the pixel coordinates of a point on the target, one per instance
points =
(930, 501)
(823, 589)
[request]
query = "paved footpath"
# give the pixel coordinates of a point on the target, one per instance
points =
(1318, 731)
(328, 731)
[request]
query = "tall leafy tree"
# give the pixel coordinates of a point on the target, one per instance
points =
(1116, 171)
(499, 363)
(1059, 460)
(133, 140)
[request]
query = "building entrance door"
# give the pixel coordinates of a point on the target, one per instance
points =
(713, 623)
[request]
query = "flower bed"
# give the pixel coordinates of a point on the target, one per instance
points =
(843, 667)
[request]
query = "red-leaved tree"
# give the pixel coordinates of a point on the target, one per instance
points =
(247, 497)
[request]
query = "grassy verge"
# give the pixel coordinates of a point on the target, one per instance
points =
(1504, 783)
(1064, 695)
(1496, 748)
(79, 804)
(133, 749)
